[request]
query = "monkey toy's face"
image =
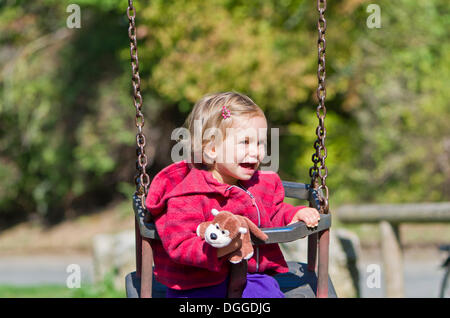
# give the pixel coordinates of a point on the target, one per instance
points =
(222, 230)
(216, 236)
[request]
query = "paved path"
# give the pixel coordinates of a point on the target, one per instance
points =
(422, 279)
(422, 275)
(42, 269)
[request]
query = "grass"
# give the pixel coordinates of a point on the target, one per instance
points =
(57, 291)
(40, 291)
(104, 289)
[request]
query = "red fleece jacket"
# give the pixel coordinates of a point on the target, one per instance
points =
(180, 198)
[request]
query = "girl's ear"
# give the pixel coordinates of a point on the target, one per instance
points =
(209, 152)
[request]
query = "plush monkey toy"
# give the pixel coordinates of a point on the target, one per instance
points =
(229, 229)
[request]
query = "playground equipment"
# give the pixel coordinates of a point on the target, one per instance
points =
(301, 281)
(445, 285)
(390, 217)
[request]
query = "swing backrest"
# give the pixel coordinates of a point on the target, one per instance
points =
(301, 281)
(276, 235)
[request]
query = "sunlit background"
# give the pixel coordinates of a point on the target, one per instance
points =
(67, 126)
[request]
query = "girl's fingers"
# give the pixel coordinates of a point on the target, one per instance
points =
(314, 216)
(310, 216)
(312, 220)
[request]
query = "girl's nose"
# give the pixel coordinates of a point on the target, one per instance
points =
(253, 151)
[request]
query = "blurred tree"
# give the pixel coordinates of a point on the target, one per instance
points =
(67, 122)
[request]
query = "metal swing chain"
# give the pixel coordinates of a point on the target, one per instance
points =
(141, 179)
(320, 170)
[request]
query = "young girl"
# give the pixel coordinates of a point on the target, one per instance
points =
(223, 175)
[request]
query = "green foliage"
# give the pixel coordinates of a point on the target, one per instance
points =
(404, 110)
(104, 289)
(67, 122)
(61, 118)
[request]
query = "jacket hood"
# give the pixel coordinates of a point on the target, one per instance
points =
(180, 179)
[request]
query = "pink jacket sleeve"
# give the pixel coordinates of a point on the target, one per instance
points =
(177, 229)
(282, 213)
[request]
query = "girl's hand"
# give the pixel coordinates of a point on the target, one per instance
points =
(308, 215)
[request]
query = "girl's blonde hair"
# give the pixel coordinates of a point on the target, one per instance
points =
(207, 113)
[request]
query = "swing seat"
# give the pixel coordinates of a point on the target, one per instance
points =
(299, 282)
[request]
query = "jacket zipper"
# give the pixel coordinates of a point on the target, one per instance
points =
(259, 217)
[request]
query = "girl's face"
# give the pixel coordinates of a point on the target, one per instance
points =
(240, 154)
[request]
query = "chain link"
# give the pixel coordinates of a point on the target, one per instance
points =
(141, 179)
(319, 169)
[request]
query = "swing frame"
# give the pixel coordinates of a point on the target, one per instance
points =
(141, 283)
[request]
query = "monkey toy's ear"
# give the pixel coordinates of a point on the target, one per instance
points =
(242, 230)
(214, 212)
(201, 228)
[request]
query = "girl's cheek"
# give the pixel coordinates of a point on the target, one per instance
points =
(240, 152)
(261, 153)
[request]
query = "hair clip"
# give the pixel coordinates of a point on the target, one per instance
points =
(225, 112)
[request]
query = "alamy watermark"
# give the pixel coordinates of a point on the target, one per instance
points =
(373, 279)
(237, 144)
(74, 278)
(74, 20)
(374, 19)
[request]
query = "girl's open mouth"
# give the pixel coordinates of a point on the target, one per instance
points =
(249, 166)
